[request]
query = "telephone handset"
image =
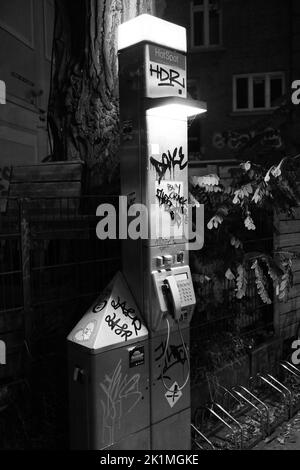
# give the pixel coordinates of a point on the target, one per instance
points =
(175, 296)
(175, 293)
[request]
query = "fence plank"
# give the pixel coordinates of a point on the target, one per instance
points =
(289, 226)
(296, 278)
(296, 265)
(289, 331)
(287, 314)
(290, 306)
(64, 171)
(52, 189)
(284, 216)
(288, 240)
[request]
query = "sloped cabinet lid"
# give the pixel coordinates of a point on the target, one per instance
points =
(112, 320)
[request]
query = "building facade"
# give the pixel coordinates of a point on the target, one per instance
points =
(242, 59)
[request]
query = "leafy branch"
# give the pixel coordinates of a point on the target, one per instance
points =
(237, 210)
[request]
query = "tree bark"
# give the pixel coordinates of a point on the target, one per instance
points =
(83, 113)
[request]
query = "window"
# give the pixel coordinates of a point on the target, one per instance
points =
(257, 92)
(205, 22)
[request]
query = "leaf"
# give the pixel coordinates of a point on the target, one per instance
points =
(260, 283)
(207, 180)
(274, 271)
(241, 282)
(242, 193)
(229, 275)
(214, 222)
(267, 177)
(249, 223)
(246, 166)
(236, 199)
(285, 285)
(236, 242)
(193, 201)
(228, 190)
(259, 193)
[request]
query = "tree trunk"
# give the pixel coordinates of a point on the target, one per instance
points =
(83, 113)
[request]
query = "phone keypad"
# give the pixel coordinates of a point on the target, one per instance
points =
(185, 291)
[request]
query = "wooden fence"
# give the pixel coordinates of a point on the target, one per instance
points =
(287, 314)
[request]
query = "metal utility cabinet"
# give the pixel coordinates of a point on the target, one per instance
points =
(108, 376)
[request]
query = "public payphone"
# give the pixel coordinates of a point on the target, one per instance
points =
(129, 355)
(175, 293)
(154, 109)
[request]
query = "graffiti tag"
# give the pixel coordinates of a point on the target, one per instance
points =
(168, 163)
(167, 77)
(172, 201)
(101, 301)
(100, 306)
(121, 395)
(128, 312)
(175, 355)
(234, 140)
(116, 326)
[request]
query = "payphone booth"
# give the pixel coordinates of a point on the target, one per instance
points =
(154, 109)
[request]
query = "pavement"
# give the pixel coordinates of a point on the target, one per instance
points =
(286, 437)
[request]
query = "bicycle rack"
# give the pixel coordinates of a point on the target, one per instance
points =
(240, 408)
(214, 431)
(265, 407)
(281, 408)
(263, 414)
(203, 437)
(286, 390)
(246, 412)
(228, 393)
(290, 368)
(239, 441)
(292, 377)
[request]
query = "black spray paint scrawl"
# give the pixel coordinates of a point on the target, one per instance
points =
(168, 162)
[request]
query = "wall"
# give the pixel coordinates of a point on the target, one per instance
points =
(255, 39)
(25, 60)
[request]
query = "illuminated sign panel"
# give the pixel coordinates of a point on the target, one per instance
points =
(151, 29)
(165, 72)
(167, 190)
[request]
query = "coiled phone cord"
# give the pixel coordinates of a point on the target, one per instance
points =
(165, 354)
